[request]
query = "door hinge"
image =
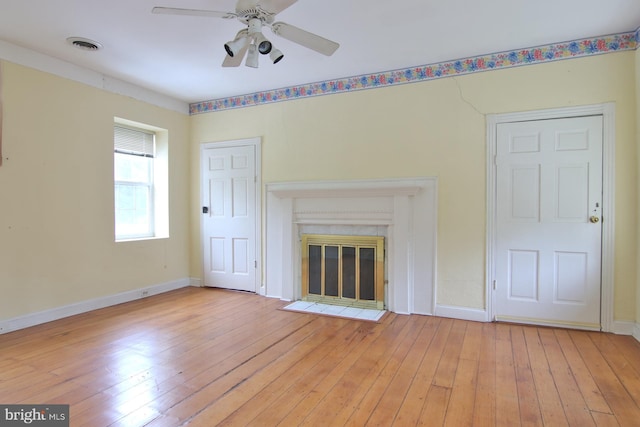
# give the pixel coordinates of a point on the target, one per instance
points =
(255, 264)
(494, 285)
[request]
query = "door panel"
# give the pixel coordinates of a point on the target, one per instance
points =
(240, 256)
(240, 197)
(525, 193)
(216, 258)
(572, 197)
(523, 277)
(548, 253)
(229, 177)
(571, 277)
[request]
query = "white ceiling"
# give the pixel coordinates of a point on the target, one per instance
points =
(181, 56)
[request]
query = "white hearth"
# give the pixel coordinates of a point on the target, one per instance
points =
(402, 210)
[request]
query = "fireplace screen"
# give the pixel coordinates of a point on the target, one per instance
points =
(343, 270)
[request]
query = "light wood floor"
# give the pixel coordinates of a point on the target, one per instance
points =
(206, 357)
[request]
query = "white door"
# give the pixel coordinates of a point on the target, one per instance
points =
(229, 212)
(548, 222)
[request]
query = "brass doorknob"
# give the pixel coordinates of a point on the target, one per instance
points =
(594, 219)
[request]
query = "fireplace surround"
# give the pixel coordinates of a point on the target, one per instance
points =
(404, 211)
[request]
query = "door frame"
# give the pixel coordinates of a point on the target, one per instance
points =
(607, 111)
(256, 143)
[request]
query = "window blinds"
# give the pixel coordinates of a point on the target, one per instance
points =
(133, 141)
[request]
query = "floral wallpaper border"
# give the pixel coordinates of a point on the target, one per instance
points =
(515, 58)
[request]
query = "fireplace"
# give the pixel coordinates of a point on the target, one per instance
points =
(401, 211)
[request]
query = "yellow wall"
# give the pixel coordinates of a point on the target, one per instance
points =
(56, 196)
(437, 128)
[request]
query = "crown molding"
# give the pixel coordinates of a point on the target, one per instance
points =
(32, 59)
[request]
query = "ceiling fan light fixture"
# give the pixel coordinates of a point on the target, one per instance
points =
(252, 56)
(276, 56)
(264, 45)
(236, 45)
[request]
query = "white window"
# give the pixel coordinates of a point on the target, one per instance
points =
(134, 158)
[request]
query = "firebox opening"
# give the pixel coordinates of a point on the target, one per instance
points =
(343, 270)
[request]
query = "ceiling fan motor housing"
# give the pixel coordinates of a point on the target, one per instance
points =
(255, 26)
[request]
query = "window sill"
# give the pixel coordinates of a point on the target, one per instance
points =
(138, 239)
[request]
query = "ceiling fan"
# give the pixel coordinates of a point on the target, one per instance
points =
(250, 41)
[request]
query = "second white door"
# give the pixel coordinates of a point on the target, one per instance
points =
(548, 222)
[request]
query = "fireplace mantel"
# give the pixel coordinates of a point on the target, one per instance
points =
(361, 188)
(406, 207)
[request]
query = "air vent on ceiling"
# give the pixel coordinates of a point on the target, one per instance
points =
(84, 44)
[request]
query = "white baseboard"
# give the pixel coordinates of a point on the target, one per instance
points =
(196, 281)
(462, 313)
(623, 327)
(38, 318)
(636, 331)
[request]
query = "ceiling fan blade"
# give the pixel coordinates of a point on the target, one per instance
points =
(275, 6)
(193, 12)
(305, 38)
(236, 60)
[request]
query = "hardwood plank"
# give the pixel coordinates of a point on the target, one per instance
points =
(392, 406)
(575, 408)
(619, 364)
(550, 407)
(19, 390)
(10, 369)
(528, 403)
(463, 393)
(605, 420)
(142, 405)
(484, 411)
(413, 405)
(507, 404)
(628, 346)
(384, 397)
(446, 372)
(587, 385)
(435, 407)
(473, 340)
(66, 393)
(619, 400)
